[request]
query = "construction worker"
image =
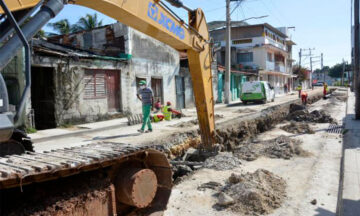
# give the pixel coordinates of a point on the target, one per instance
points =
(299, 88)
(167, 111)
(304, 96)
(326, 89)
(158, 117)
(145, 95)
(158, 106)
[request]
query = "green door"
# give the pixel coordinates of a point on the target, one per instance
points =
(235, 86)
(220, 87)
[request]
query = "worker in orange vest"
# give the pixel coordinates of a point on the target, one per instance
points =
(304, 96)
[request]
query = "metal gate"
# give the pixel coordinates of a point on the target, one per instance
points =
(180, 92)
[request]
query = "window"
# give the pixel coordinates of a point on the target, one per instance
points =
(269, 57)
(242, 41)
(244, 57)
(94, 84)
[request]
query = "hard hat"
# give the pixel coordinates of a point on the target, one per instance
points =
(142, 82)
(168, 103)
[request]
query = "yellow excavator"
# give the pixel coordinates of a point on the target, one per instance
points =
(102, 178)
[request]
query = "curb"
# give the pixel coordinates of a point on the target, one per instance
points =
(80, 132)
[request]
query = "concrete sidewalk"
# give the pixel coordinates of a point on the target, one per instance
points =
(349, 205)
(221, 109)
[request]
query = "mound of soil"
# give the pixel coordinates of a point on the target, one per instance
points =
(255, 193)
(280, 147)
(315, 116)
(222, 161)
(298, 128)
(246, 110)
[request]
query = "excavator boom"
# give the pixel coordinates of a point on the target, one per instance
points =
(152, 18)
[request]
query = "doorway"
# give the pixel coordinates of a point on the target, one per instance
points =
(157, 88)
(180, 92)
(113, 90)
(43, 97)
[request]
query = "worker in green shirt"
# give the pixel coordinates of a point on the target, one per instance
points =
(145, 95)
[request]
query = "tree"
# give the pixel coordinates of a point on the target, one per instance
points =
(336, 70)
(62, 26)
(301, 72)
(87, 23)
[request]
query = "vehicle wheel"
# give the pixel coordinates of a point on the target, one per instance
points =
(245, 102)
(264, 101)
(273, 100)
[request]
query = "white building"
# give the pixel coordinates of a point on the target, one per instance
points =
(261, 47)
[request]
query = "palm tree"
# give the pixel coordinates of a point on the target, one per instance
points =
(87, 23)
(62, 26)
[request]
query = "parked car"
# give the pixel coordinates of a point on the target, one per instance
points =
(319, 84)
(257, 91)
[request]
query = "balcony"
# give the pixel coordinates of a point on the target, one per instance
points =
(279, 67)
(270, 66)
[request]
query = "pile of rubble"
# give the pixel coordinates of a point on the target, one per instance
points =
(280, 147)
(255, 193)
(222, 161)
(298, 128)
(301, 114)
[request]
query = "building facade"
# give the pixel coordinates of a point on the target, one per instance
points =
(262, 48)
(85, 76)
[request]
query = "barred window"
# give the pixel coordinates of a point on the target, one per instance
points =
(95, 86)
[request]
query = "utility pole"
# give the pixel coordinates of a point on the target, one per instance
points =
(228, 53)
(322, 65)
(356, 59)
(342, 74)
(300, 53)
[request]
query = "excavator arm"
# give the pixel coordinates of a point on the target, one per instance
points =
(153, 18)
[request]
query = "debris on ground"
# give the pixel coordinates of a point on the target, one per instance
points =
(222, 161)
(246, 110)
(280, 147)
(255, 193)
(301, 114)
(314, 201)
(225, 200)
(210, 185)
(298, 128)
(194, 122)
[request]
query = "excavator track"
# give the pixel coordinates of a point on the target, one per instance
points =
(140, 178)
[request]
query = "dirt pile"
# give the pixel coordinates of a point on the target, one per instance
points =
(222, 161)
(340, 96)
(301, 114)
(280, 147)
(255, 193)
(246, 110)
(298, 128)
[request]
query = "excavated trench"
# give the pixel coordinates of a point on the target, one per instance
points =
(233, 136)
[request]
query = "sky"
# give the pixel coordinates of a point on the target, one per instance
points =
(320, 24)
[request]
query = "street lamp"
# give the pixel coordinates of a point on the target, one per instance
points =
(228, 50)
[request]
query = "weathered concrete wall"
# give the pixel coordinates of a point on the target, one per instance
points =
(70, 104)
(150, 58)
